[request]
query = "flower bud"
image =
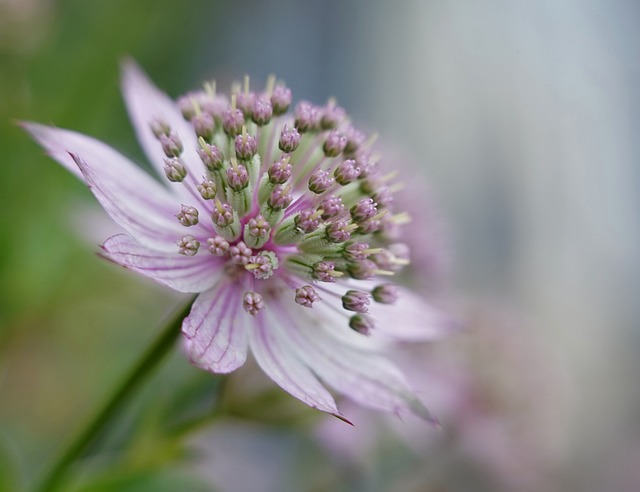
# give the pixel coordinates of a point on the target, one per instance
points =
(289, 139)
(252, 303)
(188, 216)
(280, 99)
(188, 246)
(385, 293)
(306, 296)
(361, 323)
(175, 170)
(356, 301)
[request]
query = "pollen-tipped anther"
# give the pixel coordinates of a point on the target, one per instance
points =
(252, 302)
(188, 246)
(306, 296)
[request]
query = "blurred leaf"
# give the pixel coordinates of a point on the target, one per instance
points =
(8, 472)
(152, 480)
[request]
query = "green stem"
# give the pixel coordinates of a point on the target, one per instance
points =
(139, 372)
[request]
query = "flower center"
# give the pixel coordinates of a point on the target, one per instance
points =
(295, 199)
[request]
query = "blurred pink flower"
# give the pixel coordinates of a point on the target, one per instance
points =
(278, 222)
(495, 408)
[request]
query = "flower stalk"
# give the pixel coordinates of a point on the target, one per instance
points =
(88, 435)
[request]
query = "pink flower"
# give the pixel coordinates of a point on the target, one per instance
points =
(240, 222)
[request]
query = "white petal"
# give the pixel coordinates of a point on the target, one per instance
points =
(139, 205)
(279, 361)
(216, 329)
(365, 376)
(410, 318)
(133, 199)
(182, 273)
(145, 103)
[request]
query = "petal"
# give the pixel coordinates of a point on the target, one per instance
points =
(139, 205)
(133, 199)
(365, 376)
(216, 329)
(182, 273)
(278, 360)
(410, 319)
(145, 103)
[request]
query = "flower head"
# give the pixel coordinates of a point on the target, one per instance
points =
(291, 233)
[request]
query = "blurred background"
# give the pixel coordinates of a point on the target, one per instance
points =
(520, 119)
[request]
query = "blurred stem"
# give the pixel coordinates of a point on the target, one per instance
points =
(142, 369)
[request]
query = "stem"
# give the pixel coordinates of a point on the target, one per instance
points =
(150, 359)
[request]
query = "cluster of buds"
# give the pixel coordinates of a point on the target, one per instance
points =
(292, 201)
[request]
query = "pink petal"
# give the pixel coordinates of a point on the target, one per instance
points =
(134, 200)
(279, 360)
(365, 376)
(138, 204)
(216, 329)
(145, 103)
(182, 273)
(410, 319)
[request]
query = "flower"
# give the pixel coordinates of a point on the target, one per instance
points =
(272, 219)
